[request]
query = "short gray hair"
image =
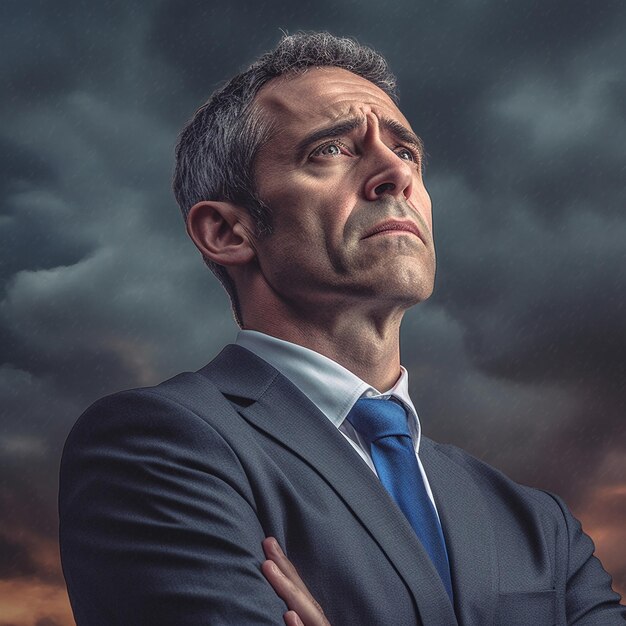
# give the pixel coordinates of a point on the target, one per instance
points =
(217, 148)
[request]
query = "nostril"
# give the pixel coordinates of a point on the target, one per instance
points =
(384, 188)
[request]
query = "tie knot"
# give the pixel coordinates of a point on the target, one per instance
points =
(374, 419)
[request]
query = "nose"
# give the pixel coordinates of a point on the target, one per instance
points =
(387, 173)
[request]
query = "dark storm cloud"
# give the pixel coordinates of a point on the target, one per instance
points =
(531, 225)
(519, 355)
(52, 49)
(21, 167)
(203, 56)
(14, 560)
(24, 227)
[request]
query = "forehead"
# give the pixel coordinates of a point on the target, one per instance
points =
(321, 95)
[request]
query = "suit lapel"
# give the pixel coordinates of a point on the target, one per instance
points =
(468, 531)
(283, 412)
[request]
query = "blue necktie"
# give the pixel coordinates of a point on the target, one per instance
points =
(383, 424)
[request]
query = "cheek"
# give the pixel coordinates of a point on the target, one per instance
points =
(295, 221)
(310, 211)
(300, 231)
(312, 215)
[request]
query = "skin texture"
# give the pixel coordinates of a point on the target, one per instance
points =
(342, 163)
(317, 280)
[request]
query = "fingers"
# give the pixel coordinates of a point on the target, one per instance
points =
(275, 554)
(303, 610)
(291, 619)
(284, 578)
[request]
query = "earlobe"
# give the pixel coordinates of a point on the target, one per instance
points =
(221, 231)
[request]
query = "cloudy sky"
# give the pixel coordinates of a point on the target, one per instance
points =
(519, 355)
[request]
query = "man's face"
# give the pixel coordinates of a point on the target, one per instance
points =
(342, 177)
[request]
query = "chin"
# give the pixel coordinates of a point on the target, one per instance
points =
(403, 295)
(419, 296)
(415, 284)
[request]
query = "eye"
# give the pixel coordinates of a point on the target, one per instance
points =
(330, 149)
(407, 154)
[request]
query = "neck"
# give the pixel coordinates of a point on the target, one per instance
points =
(365, 343)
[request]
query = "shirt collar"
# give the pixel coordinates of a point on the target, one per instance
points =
(332, 388)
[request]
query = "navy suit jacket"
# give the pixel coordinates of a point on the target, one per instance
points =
(167, 492)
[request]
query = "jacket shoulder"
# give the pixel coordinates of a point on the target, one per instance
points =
(187, 393)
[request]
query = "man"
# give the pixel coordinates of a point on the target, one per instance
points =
(301, 185)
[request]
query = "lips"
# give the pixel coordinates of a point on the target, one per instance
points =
(394, 225)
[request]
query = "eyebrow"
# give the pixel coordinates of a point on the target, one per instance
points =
(347, 126)
(403, 134)
(334, 130)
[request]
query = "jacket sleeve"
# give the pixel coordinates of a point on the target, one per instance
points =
(157, 520)
(589, 597)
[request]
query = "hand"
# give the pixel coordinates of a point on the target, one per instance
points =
(282, 575)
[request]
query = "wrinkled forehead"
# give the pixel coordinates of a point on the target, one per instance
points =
(321, 95)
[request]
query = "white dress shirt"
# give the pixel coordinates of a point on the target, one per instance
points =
(332, 388)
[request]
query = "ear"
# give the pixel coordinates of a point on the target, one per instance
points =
(222, 231)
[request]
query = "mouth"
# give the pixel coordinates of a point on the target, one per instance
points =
(394, 227)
